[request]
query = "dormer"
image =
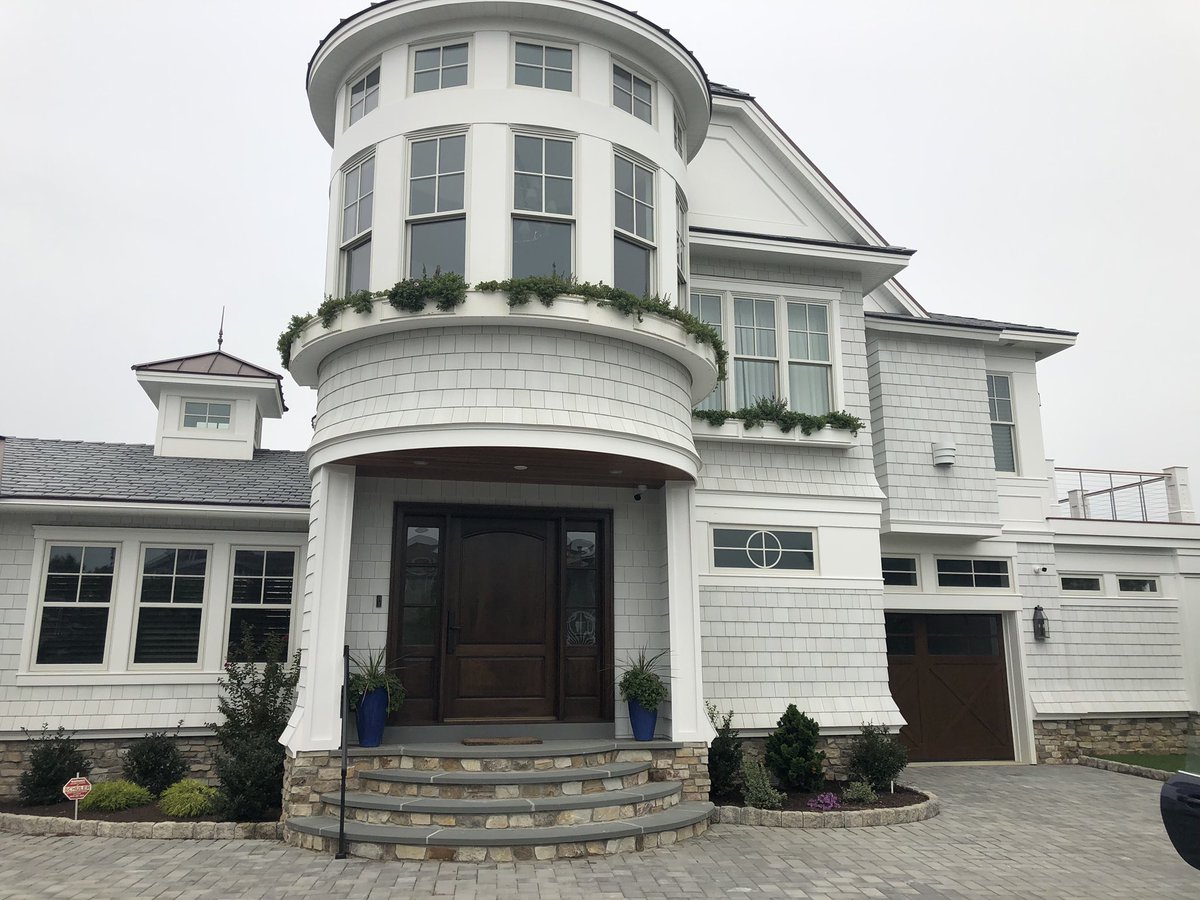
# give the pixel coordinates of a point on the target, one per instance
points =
(210, 405)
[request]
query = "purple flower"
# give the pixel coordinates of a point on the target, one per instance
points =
(826, 802)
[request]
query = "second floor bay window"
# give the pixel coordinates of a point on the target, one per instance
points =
(633, 243)
(543, 206)
(781, 349)
(437, 220)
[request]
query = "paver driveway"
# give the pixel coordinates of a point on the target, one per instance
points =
(1030, 832)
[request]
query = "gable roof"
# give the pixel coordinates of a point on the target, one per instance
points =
(216, 362)
(39, 469)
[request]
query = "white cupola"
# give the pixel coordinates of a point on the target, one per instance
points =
(210, 405)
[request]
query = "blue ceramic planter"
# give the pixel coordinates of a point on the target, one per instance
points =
(643, 721)
(372, 716)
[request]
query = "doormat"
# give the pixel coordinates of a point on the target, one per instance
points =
(499, 741)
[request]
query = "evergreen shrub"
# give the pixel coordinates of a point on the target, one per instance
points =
(792, 752)
(154, 762)
(55, 759)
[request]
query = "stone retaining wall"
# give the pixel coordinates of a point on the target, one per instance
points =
(107, 755)
(835, 746)
(849, 818)
(1064, 741)
(1125, 768)
(221, 831)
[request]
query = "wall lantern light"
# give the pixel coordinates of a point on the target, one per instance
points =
(1041, 625)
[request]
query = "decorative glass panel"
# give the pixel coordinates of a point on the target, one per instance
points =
(748, 549)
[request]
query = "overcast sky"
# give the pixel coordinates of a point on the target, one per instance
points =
(158, 161)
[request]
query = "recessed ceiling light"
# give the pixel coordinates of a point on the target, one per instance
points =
(615, 471)
(520, 468)
(420, 462)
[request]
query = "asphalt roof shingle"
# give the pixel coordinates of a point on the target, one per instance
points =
(970, 322)
(35, 468)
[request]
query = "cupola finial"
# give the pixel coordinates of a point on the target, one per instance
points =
(221, 330)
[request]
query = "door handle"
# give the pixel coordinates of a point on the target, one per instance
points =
(452, 630)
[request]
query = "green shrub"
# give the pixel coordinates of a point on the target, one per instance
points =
(724, 755)
(154, 762)
(114, 796)
(756, 786)
(256, 702)
(876, 757)
(53, 761)
(859, 792)
(792, 752)
(189, 798)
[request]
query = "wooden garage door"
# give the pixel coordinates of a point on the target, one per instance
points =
(948, 677)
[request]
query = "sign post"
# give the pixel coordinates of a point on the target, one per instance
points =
(76, 789)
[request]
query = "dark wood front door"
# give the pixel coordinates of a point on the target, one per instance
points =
(500, 649)
(501, 614)
(948, 677)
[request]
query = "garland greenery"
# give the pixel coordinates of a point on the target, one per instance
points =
(766, 409)
(446, 290)
(450, 290)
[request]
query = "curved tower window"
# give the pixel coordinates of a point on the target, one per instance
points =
(358, 193)
(543, 206)
(633, 241)
(440, 67)
(632, 94)
(437, 221)
(364, 95)
(545, 67)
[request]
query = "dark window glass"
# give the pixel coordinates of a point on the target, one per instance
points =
(743, 549)
(65, 559)
(262, 594)
(1080, 583)
(418, 623)
(437, 245)
(631, 267)
(581, 588)
(1138, 585)
(541, 248)
(899, 571)
(261, 623)
(167, 635)
(72, 635)
(420, 583)
(249, 562)
(358, 267)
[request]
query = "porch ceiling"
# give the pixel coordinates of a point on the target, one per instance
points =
(519, 465)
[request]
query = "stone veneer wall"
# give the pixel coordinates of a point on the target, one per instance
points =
(1064, 741)
(836, 747)
(107, 755)
(311, 773)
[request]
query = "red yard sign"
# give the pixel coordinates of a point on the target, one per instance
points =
(77, 788)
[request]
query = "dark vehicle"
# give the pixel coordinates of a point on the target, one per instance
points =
(1180, 806)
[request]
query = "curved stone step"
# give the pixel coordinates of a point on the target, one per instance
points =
(506, 785)
(494, 758)
(502, 844)
(383, 809)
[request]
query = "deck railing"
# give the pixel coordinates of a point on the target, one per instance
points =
(1117, 496)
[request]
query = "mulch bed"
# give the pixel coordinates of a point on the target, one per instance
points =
(148, 813)
(799, 802)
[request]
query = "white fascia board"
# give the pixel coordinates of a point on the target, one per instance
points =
(267, 392)
(747, 506)
(973, 603)
(1180, 536)
(943, 529)
(874, 267)
(1041, 344)
(927, 328)
(284, 513)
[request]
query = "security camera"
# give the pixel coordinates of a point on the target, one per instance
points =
(637, 497)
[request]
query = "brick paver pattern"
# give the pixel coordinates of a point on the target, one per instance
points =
(1062, 832)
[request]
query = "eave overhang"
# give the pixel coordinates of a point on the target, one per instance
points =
(1042, 342)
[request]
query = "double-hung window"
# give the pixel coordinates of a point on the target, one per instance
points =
(681, 243)
(75, 601)
(707, 308)
(437, 220)
(358, 194)
(632, 94)
(756, 364)
(170, 605)
(435, 68)
(364, 95)
(808, 357)
(633, 247)
(677, 133)
(261, 601)
(1000, 408)
(543, 206)
(544, 67)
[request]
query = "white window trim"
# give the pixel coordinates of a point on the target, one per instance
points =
(712, 569)
(295, 610)
(205, 612)
(119, 640)
(553, 44)
(630, 236)
(420, 218)
(184, 429)
(414, 49)
(360, 75)
(781, 293)
(642, 75)
(1077, 592)
(903, 588)
(1143, 595)
(985, 591)
(1016, 438)
(514, 213)
(362, 237)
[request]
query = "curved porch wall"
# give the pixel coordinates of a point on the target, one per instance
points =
(499, 377)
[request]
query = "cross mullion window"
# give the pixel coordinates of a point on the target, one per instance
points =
(364, 95)
(632, 94)
(973, 573)
(1000, 410)
(440, 67)
(358, 196)
(543, 183)
(203, 414)
(170, 605)
(545, 67)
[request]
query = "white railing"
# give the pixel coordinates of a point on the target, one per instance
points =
(1121, 496)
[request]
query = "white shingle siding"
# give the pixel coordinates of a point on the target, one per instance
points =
(765, 647)
(922, 388)
(504, 375)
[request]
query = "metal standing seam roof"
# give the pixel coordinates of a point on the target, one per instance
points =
(35, 468)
